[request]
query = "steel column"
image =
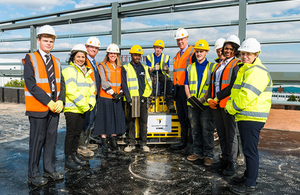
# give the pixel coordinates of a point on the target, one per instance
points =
(115, 24)
(33, 42)
(242, 19)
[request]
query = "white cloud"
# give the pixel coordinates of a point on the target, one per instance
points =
(36, 5)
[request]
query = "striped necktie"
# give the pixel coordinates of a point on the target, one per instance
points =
(50, 70)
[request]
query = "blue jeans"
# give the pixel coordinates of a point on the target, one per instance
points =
(203, 131)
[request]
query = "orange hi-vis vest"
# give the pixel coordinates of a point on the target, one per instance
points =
(88, 64)
(226, 78)
(113, 77)
(41, 77)
(180, 63)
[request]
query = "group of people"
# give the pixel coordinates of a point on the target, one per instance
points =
(235, 94)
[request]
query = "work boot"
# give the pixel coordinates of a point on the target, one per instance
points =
(113, 144)
(171, 108)
(78, 160)
(105, 146)
(230, 169)
(194, 157)
(129, 148)
(243, 189)
(83, 139)
(85, 152)
(220, 165)
(238, 180)
(208, 162)
(87, 141)
(146, 148)
(71, 164)
(37, 181)
(54, 175)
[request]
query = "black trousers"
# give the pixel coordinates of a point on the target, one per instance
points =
(142, 123)
(74, 123)
(182, 110)
(169, 86)
(226, 128)
(43, 135)
(249, 132)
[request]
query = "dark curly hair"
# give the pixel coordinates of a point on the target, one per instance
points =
(235, 48)
(72, 56)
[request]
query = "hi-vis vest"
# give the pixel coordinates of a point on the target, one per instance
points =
(113, 77)
(132, 81)
(180, 64)
(251, 94)
(225, 79)
(41, 77)
(163, 60)
(80, 90)
(193, 80)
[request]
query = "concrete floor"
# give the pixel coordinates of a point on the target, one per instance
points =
(162, 171)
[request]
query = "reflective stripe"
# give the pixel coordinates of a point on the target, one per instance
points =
(268, 89)
(255, 114)
(108, 72)
(92, 96)
(251, 88)
(203, 90)
(193, 92)
(179, 70)
(27, 93)
(133, 88)
(132, 79)
(70, 105)
(70, 80)
(192, 82)
(208, 74)
(236, 86)
(188, 59)
(229, 98)
(148, 80)
(235, 106)
(83, 84)
(115, 84)
(80, 97)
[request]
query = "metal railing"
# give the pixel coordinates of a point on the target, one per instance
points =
(116, 11)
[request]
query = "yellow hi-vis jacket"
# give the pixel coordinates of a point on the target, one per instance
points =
(163, 60)
(80, 90)
(132, 81)
(193, 80)
(250, 98)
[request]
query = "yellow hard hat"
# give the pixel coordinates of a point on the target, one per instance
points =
(202, 44)
(159, 43)
(136, 49)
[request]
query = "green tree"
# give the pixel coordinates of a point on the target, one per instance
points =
(292, 98)
(15, 83)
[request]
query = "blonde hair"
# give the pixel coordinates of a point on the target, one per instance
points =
(118, 60)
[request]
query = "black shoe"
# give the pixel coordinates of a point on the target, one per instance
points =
(37, 181)
(105, 146)
(113, 144)
(71, 164)
(179, 146)
(78, 160)
(54, 175)
(243, 189)
(238, 180)
(220, 165)
(230, 169)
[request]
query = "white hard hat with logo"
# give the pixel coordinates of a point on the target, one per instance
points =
(93, 41)
(113, 48)
(79, 47)
(233, 39)
(250, 45)
(219, 43)
(47, 29)
(181, 33)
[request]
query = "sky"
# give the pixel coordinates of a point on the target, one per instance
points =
(11, 9)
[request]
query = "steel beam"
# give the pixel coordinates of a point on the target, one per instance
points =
(33, 40)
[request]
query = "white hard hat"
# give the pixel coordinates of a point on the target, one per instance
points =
(181, 33)
(233, 39)
(250, 45)
(46, 29)
(79, 47)
(219, 43)
(93, 41)
(113, 48)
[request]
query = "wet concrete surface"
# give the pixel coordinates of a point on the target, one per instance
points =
(162, 171)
